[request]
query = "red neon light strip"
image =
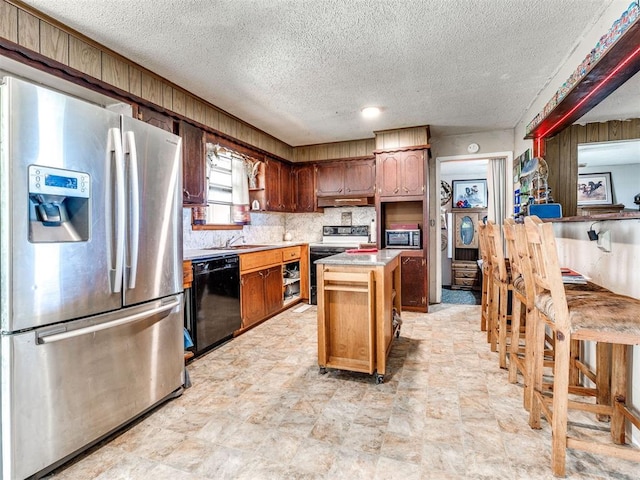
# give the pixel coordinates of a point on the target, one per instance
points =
(605, 80)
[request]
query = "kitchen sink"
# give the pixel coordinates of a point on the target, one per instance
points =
(243, 246)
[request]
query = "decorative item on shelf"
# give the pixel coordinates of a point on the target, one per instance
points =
(198, 215)
(470, 193)
(636, 200)
(255, 205)
(535, 172)
(252, 167)
(445, 193)
(595, 189)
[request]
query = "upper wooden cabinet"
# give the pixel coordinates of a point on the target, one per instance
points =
(278, 192)
(346, 178)
(155, 118)
(303, 179)
(401, 173)
(193, 165)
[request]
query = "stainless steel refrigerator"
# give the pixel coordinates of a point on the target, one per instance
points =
(91, 274)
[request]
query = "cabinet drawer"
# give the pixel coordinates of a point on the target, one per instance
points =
(467, 282)
(466, 273)
(258, 260)
(290, 253)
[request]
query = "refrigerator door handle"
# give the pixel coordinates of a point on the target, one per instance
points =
(134, 236)
(114, 151)
(56, 337)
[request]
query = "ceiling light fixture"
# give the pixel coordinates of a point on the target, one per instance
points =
(370, 112)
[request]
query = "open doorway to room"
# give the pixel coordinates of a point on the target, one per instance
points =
(454, 268)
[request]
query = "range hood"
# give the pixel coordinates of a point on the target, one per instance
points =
(343, 201)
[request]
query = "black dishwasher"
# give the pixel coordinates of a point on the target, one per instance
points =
(215, 301)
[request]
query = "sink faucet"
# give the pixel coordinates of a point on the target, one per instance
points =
(233, 239)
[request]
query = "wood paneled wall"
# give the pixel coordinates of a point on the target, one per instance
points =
(331, 151)
(43, 35)
(561, 154)
(402, 137)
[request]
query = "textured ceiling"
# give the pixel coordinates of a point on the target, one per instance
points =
(302, 70)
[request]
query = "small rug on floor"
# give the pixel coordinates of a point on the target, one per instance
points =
(461, 297)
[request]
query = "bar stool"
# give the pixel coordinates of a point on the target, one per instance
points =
(486, 280)
(522, 296)
(603, 317)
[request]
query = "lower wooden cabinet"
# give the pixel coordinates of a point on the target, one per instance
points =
(267, 279)
(261, 294)
(465, 275)
(413, 283)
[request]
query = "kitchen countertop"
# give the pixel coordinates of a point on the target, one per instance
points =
(381, 257)
(195, 254)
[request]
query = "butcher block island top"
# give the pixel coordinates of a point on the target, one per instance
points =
(358, 310)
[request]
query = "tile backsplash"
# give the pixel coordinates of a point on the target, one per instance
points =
(271, 227)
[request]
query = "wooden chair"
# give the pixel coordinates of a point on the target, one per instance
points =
(486, 280)
(522, 296)
(610, 320)
(498, 298)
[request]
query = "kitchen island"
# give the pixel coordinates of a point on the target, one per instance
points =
(358, 310)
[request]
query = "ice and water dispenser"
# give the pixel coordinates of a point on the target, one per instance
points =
(58, 205)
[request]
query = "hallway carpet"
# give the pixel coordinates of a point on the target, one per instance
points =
(461, 297)
(259, 409)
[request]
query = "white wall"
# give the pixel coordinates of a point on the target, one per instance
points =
(617, 270)
(492, 141)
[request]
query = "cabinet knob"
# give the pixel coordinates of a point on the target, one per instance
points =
(396, 190)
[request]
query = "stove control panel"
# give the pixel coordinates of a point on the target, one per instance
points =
(346, 230)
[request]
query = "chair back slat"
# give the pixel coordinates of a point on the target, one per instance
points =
(545, 268)
(496, 252)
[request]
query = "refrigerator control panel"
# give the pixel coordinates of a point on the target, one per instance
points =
(56, 181)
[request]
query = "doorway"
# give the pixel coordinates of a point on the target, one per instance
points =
(459, 167)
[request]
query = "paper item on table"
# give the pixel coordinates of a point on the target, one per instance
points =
(571, 276)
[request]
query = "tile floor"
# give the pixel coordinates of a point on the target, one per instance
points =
(259, 409)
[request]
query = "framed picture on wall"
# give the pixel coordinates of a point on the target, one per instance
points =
(595, 189)
(470, 193)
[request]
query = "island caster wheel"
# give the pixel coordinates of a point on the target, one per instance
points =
(379, 379)
(323, 370)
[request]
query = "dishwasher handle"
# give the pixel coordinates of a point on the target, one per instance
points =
(56, 337)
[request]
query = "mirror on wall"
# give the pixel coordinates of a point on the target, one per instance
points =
(609, 173)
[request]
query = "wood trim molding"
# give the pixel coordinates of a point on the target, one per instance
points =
(619, 63)
(402, 149)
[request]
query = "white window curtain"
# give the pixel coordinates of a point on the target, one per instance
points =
(496, 184)
(228, 187)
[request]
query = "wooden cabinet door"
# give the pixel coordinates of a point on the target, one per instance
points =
(193, 165)
(387, 171)
(412, 173)
(413, 282)
(303, 180)
(278, 194)
(252, 294)
(273, 289)
(330, 179)
(401, 174)
(155, 118)
(360, 177)
(286, 192)
(272, 187)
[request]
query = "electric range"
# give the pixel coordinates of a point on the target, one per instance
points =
(335, 239)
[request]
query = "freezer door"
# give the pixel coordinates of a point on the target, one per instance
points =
(64, 387)
(44, 282)
(153, 164)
